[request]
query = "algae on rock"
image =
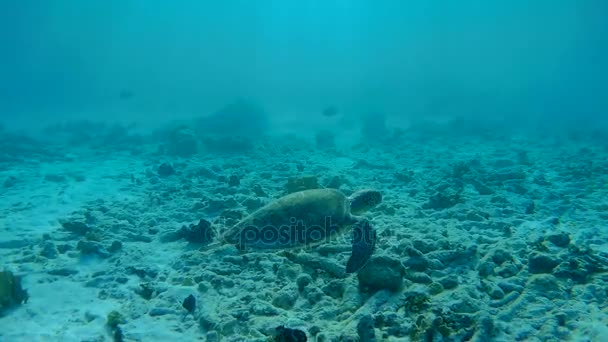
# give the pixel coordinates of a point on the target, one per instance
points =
(11, 292)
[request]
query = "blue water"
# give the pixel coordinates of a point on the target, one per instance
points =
(484, 125)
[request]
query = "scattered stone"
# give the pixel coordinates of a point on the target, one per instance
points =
(252, 204)
(114, 319)
(418, 263)
(262, 308)
(161, 312)
(303, 280)
(10, 182)
(440, 201)
(334, 289)
(500, 256)
(11, 292)
(295, 184)
(115, 246)
(201, 233)
(560, 239)
(189, 304)
(286, 298)
(76, 227)
(494, 291)
(182, 142)
(234, 180)
(63, 272)
(449, 282)
(166, 170)
(92, 248)
(486, 268)
(283, 334)
(381, 273)
(545, 285)
(541, 263)
(55, 178)
(418, 277)
(49, 250)
(258, 191)
(529, 208)
(15, 244)
(365, 329)
(334, 183)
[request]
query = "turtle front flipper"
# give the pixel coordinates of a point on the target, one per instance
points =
(364, 242)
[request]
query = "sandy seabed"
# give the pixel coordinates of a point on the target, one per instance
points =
(479, 238)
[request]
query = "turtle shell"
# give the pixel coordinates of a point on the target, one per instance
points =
(299, 219)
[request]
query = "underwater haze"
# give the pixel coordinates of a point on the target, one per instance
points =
(518, 60)
(282, 170)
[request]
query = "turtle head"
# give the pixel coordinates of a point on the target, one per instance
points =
(363, 200)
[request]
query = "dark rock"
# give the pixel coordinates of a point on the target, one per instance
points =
(419, 277)
(295, 184)
(541, 263)
(283, 334)
(182, 142)
(55, 178)
(559, 239)
(365, 329)
(92, 248)
(64, 272)
(199, 233)
(417, 263)
(160, 312)
(166, 170)
(501, 256)
(189, 304)
(381, 273)
(14, 244)
(118, 335)
(49, 250)
(115, 247)
(529, 208)
(78, 228)
(486, 269)
(449, 283)
(258, 191)
(334, 183)
(11, 292)
(10, 182)
(440, 201)
(404, 176)
(142, 272)
(234, 181)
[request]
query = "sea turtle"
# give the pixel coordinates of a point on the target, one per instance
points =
(309, 218)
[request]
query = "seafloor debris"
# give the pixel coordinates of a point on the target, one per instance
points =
(295, 184)
(189, 304)
(283, 334)
(11, 292)
(201, 232)
(166, 170)
(381, 273)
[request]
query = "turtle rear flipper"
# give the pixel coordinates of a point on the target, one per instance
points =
(364, 242)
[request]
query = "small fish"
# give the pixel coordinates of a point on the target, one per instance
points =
(126, 94)
(330, 111)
